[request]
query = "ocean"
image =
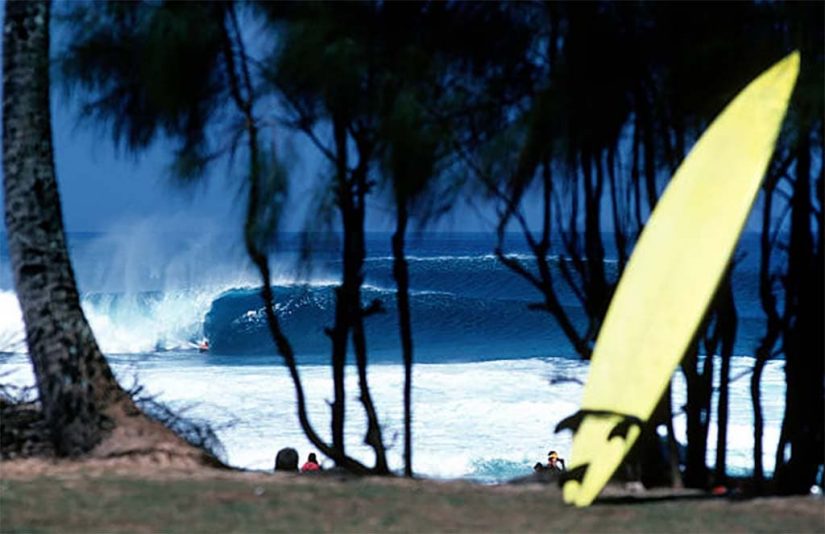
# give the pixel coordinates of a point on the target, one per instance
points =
(491, 379)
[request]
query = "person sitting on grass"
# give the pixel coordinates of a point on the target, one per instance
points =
(311, 464)
(286, 460)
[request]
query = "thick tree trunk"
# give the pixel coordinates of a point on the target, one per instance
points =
(82, 402)
(73, 380)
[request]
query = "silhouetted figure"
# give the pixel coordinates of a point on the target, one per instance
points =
(286, 460)
(311, 464)
(554, 463)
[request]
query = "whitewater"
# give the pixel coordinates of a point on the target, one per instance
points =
(491, 381)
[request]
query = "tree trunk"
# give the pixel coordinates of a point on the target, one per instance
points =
(353, 279)
(758, 419)
(727, 326)
(649, 158)
(340, 331)
(672, 444)
(72, 378)
(596, 287)
(803, 422)
(82, 403)
(767, 300)
(697, 410)
(402, 281)
(349, 314)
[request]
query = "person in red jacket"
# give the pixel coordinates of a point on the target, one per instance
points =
(311, 464)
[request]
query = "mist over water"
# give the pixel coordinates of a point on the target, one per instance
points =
(491, 382)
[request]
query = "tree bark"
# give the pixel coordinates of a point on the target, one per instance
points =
(82, 403)
(73, 380)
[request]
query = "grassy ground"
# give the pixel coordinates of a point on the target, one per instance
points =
(85, 501)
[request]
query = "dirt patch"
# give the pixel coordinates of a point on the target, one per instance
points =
(156, 465)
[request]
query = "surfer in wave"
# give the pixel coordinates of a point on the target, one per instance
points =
(202, 345)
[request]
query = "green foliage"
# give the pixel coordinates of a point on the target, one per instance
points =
(149, 69)
(412, 147)
(273, 191)
(321, 65)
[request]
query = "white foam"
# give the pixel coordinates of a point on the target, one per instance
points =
(488, 420)
(12, 334)
(740, 440)
(126, 323)
(130, 324)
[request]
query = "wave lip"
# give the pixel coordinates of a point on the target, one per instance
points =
(480, 329)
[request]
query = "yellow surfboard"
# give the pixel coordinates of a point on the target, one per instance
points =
(672, 275)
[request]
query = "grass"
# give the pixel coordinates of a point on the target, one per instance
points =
(257, 503)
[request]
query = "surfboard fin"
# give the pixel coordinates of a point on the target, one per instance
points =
(573, 422)
(623, 427)
(577, 474)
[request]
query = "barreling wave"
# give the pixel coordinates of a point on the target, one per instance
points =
(464, 308)
(125, 323)
(447, 327)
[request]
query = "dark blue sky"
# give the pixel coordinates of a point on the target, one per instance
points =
(102, 186)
